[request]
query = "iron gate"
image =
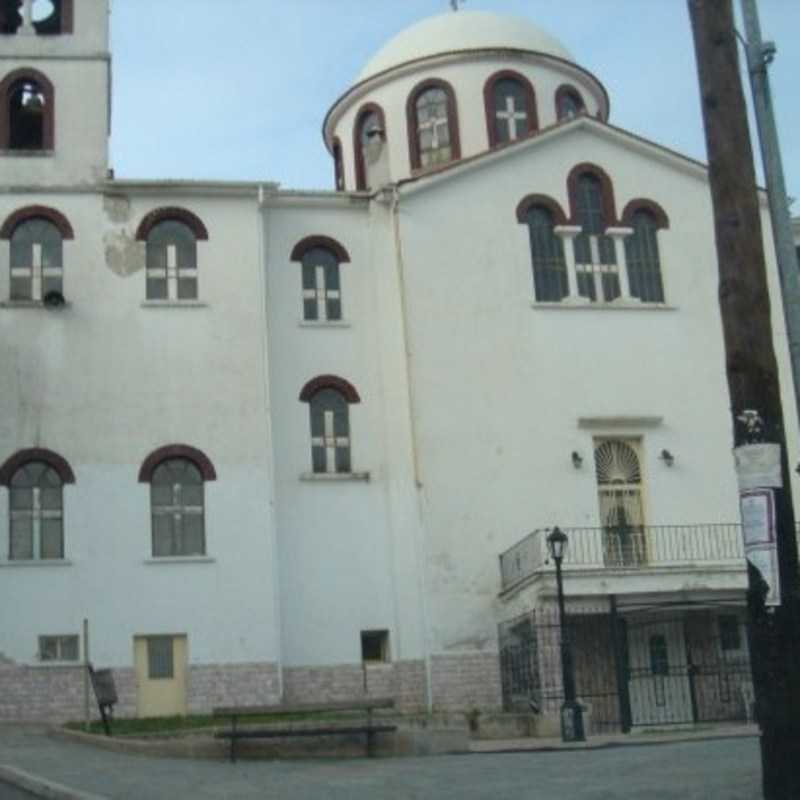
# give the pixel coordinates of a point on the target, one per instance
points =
(652, 670)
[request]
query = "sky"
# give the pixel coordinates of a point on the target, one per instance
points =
(237, 89)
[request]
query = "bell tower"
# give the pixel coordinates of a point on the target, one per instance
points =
(55, 69)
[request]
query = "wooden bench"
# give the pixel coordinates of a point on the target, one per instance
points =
(356, 726)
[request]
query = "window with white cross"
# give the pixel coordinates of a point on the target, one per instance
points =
(511, 114)
(176, 494)
(330, 432)
(36, 260)
(322, 295)
(595, 252)
(36, 513)
(433, 127)
(171, 262)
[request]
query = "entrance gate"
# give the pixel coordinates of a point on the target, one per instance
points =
(657, 670)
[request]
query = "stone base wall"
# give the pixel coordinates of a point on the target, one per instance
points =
(232, 685)
(466, 681)
(404, 681)
(55, 694)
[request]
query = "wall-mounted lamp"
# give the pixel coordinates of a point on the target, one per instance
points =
(577, 459)
(667, 457)
(53, 299)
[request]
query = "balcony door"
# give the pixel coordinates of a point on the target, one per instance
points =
(619, 488)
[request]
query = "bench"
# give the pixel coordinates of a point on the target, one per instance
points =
(347, 727)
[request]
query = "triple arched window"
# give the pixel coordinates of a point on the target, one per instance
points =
(27, 111)
(432, 125)
(510, 108)
(592, 257)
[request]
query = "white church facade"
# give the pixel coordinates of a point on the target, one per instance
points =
(290, 444)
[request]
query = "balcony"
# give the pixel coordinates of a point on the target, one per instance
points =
(634, 549)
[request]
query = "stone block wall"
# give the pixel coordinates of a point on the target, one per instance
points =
(403, 680)
(464, 681)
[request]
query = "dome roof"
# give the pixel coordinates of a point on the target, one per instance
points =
(464, 30)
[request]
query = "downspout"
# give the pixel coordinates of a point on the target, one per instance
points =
(262, 283)
(422, 553)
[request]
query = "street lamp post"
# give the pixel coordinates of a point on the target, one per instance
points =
(571, 710)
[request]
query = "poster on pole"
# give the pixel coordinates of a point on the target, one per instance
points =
(765, 560)
(758, 517)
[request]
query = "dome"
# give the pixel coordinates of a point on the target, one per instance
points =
(462, 30)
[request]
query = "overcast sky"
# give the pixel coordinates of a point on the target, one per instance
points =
(237, 89)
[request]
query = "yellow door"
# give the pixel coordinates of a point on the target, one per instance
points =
(160, 675)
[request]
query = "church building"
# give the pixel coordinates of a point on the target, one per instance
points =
(307, 445)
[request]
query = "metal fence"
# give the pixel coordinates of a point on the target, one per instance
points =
(645, 670)
(627, 547)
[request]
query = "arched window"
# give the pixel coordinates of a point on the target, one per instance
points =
(547, 253)
(177, 474)
(619, 482)
(177, 507)
(569, 102)
(322, 294)
(641, 255)
(35, 479)
(338, 166)
(37, 513)
(37, 260)
(36, 263)
(593, 249)
(369, 120)
(433, 125)
(39, 16)
(28, 113)
(510, 108)
(171, 236)
(328, 398)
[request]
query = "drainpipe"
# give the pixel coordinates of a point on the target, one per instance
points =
(262, 285)
(422, 554)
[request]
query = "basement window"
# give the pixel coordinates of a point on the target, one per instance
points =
(58, 648)
(375, 647)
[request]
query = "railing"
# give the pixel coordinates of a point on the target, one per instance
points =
(627, 547)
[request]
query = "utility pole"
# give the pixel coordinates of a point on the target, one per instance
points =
(759, 56)
(752, 381)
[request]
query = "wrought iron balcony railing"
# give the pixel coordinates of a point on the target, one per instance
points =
(627, 547)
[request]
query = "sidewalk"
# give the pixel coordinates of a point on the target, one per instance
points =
(661, 736)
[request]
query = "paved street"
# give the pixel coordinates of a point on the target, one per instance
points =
(704, 770)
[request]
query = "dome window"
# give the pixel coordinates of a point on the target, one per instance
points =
(369, 122)
(510, 108)
(433, 125)
(569, 103)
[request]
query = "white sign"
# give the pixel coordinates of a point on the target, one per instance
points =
(765, 560)
(758, 517)
(758, 466)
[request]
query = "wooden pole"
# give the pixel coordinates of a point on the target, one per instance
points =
(752, 379)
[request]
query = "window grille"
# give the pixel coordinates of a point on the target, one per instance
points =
(511, 114)
(322, 295)
(595, 256)
(433, 127)
(547, 253)
(160, 657)
(330, 432)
